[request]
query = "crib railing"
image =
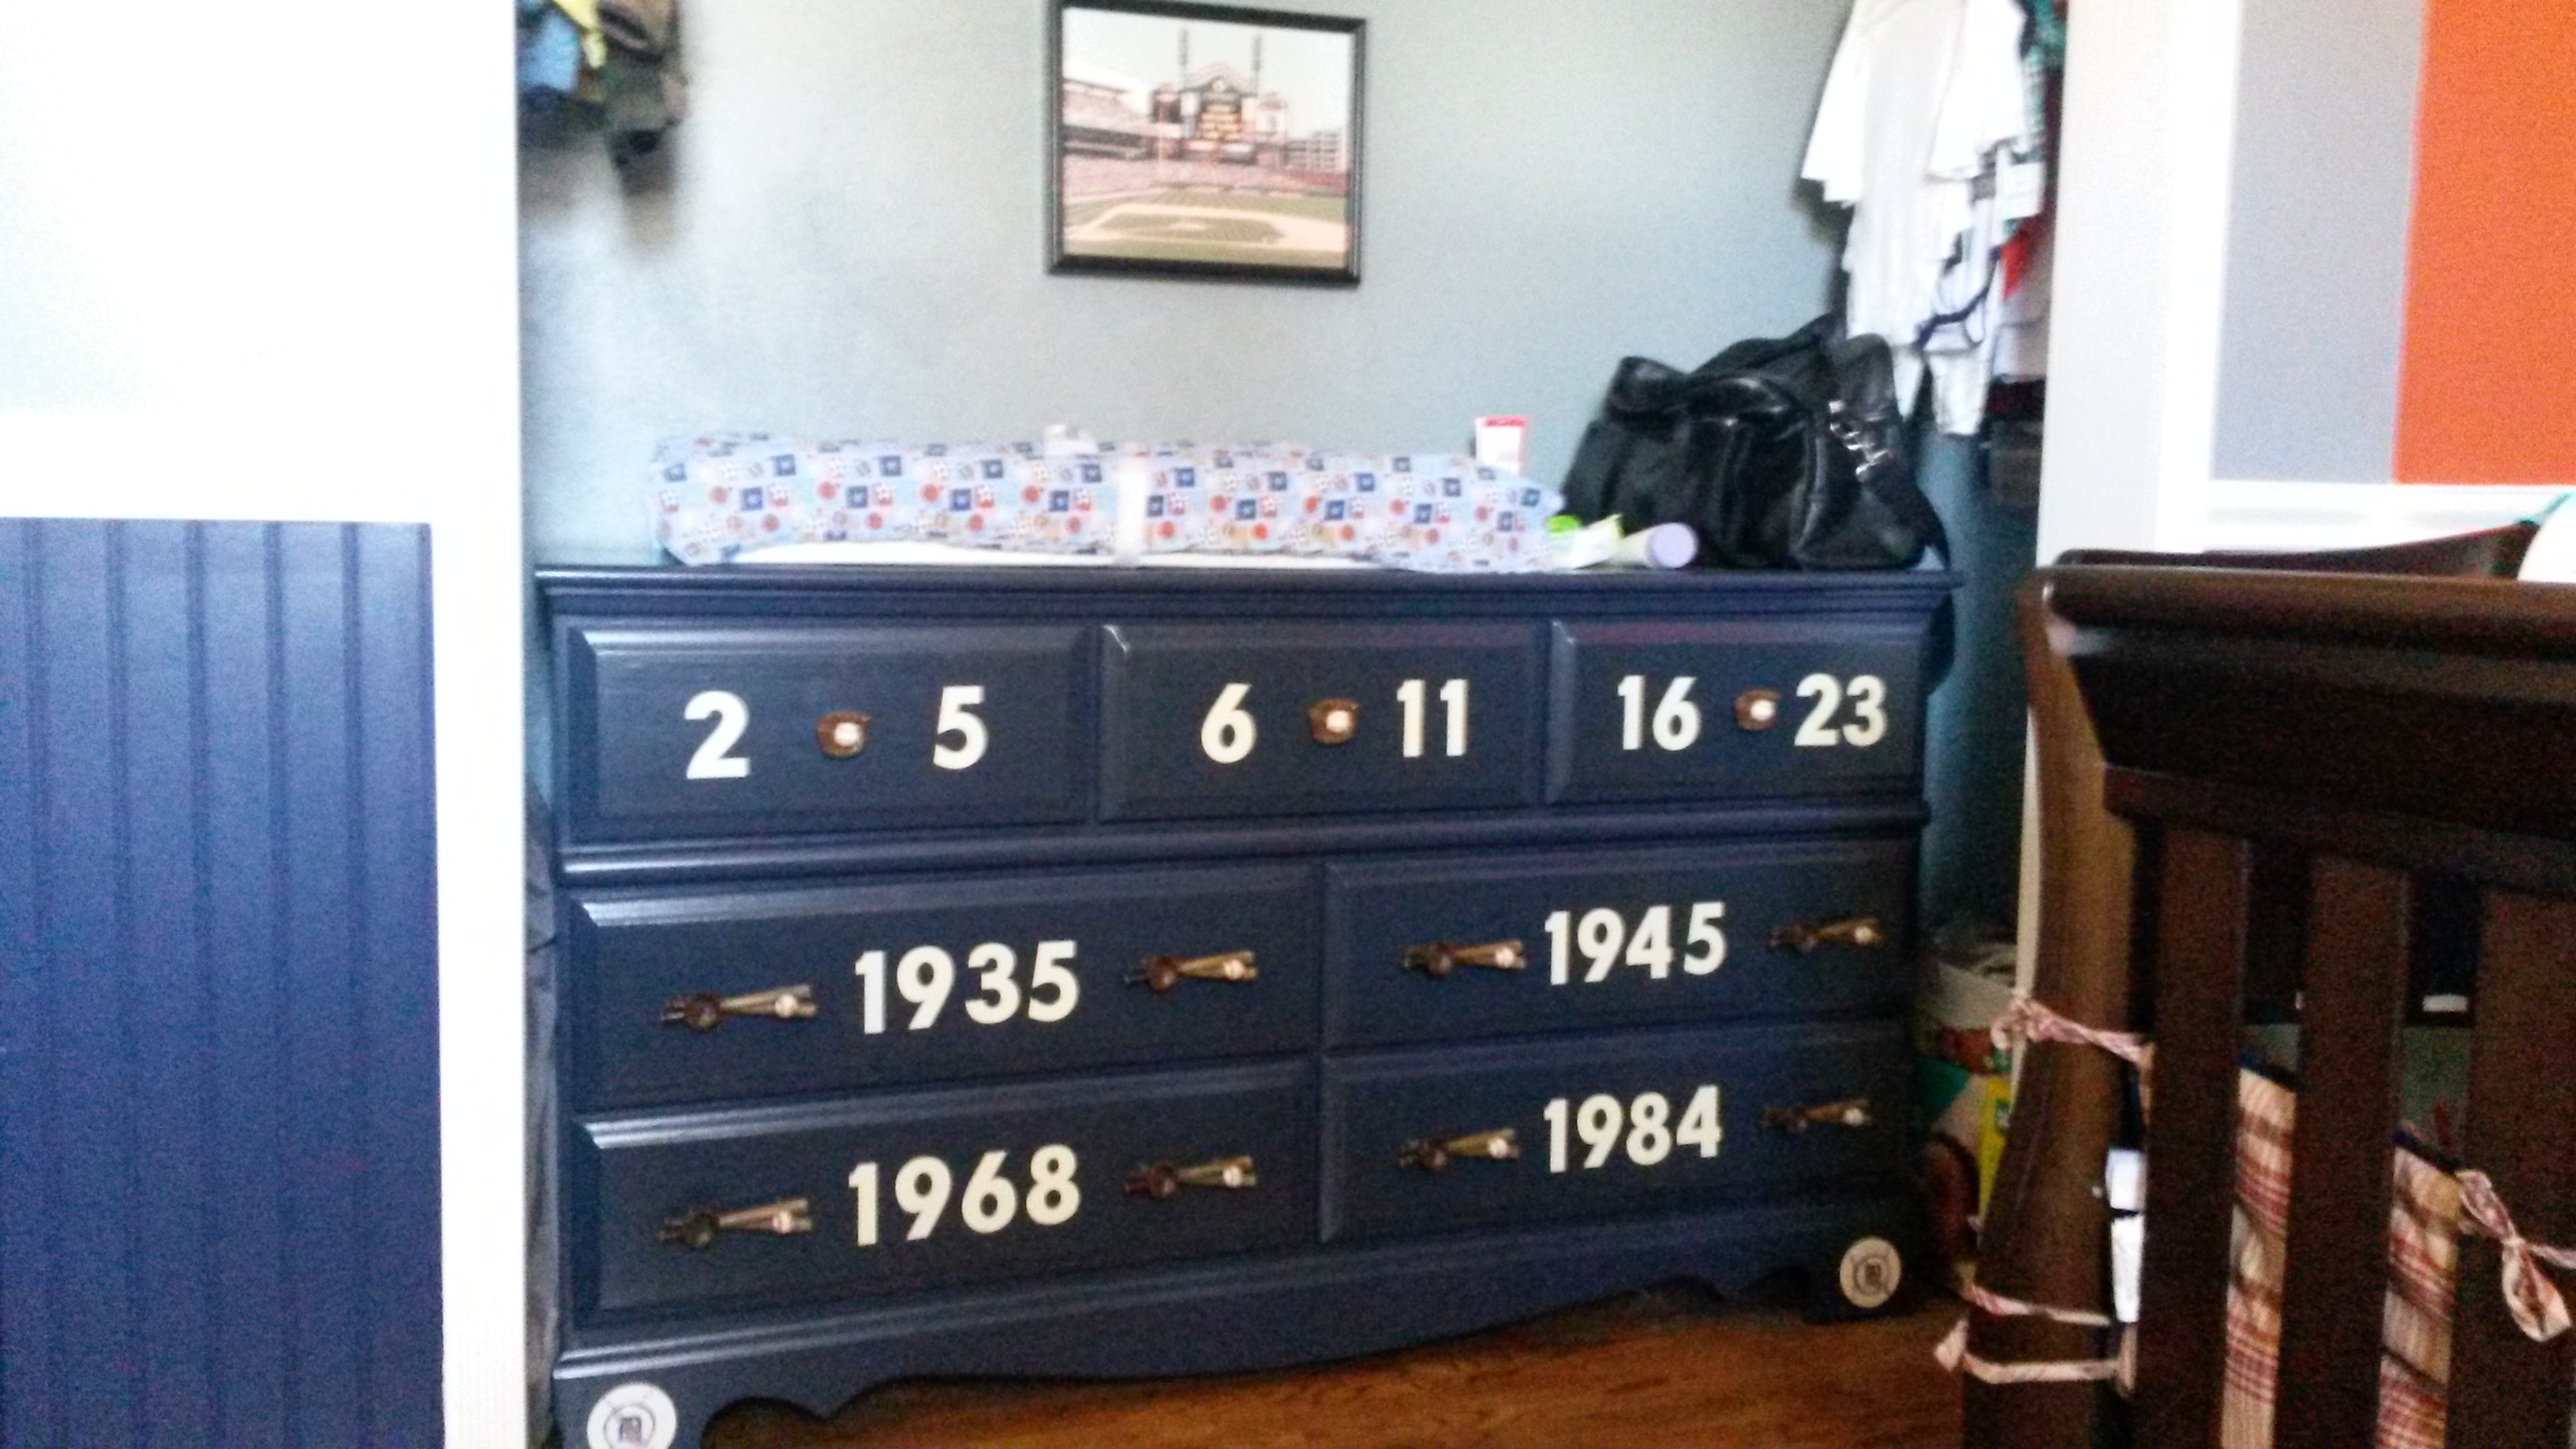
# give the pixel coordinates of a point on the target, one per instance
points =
(2322, 780)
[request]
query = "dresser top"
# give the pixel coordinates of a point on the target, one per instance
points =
(775, 590)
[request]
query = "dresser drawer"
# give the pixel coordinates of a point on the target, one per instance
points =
(710, 732)
(933, 979)
(933, 1189)
(1247, 719)
(1655, 709)
(1605, 1125)
(1465, 946)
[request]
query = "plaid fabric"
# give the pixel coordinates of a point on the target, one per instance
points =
(2423, 1228)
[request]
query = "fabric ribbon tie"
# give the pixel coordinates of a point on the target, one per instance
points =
(1952, 1352)
(2539, 1309)
(2026, 1020)
(2002, 1307)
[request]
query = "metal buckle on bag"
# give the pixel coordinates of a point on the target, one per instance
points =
(1852, 436)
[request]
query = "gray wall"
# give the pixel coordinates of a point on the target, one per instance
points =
(1973, 723)
(852, 243)
(2316, 256)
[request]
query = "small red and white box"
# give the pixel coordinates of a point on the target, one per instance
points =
(1504, 443)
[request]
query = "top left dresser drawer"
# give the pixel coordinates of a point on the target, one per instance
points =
(728, 732)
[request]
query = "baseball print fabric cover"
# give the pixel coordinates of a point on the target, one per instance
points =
(714, 498)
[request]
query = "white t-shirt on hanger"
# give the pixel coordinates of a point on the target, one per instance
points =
(1918, 95)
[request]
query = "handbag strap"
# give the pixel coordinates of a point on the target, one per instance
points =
(1902, 496)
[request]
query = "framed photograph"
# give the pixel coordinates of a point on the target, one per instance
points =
(1204, 140)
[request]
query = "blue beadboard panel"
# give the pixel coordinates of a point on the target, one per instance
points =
(218, 1011)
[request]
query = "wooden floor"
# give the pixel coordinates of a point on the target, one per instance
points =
(1671, 1366)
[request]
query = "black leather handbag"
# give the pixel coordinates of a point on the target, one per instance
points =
(1780, 453)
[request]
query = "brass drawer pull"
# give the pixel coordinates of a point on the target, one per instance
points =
(1162, 973)
(1433, 1154)
(842, 733)
(1333, 721)
(1757, 709)
(1442, 957)
(699, 1227)
(1801, 938)
(1162, 1180)
(1850, 1112)
(705, 1011)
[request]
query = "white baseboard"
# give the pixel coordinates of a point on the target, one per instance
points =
(2270, 514)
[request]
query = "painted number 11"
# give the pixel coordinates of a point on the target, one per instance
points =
(1453, 696)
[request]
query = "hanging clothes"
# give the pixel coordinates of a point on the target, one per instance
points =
(1921, 98)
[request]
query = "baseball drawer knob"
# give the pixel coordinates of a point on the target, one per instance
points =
(1442, 957)
(1801, 937)
(842, 733)
(1162, 973)
(1161, 1180)
(1849, 1112)
(700, 1227)
(1333, 721)
(705, 1011)
(1434, 1154)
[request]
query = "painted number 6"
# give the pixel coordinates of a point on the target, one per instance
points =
(1226, 735)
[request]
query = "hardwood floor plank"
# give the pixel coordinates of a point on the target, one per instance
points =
(1665, 1367)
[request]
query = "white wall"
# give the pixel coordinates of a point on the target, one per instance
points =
(2323, 180)
(2142, 212)
(256, 261)
(853, 243)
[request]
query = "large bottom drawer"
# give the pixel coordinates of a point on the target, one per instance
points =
(939, 1188)
(1428, 1141)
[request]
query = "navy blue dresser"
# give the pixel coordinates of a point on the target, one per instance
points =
(1081, 972)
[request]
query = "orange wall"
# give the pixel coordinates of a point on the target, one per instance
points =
(2487, 385)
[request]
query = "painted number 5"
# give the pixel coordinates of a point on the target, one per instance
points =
(955, 718)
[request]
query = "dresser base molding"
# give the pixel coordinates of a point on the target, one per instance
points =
(1224, 1317)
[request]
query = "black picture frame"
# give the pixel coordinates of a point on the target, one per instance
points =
(1241, 162)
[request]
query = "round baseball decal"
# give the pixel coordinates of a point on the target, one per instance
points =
(634, 1416)
(1870, 1272)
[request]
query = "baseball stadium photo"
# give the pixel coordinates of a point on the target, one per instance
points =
(1191, 138)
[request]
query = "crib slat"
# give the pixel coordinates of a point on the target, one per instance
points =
(2353, 996)
(2191, 1139)
(2506, 1389)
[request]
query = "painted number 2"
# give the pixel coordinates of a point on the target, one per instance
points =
(715, 759)
(1867, 695)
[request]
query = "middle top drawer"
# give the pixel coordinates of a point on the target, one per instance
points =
(1225, 719)
(674, 998)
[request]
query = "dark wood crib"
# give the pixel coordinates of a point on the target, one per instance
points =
(2268, 795)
